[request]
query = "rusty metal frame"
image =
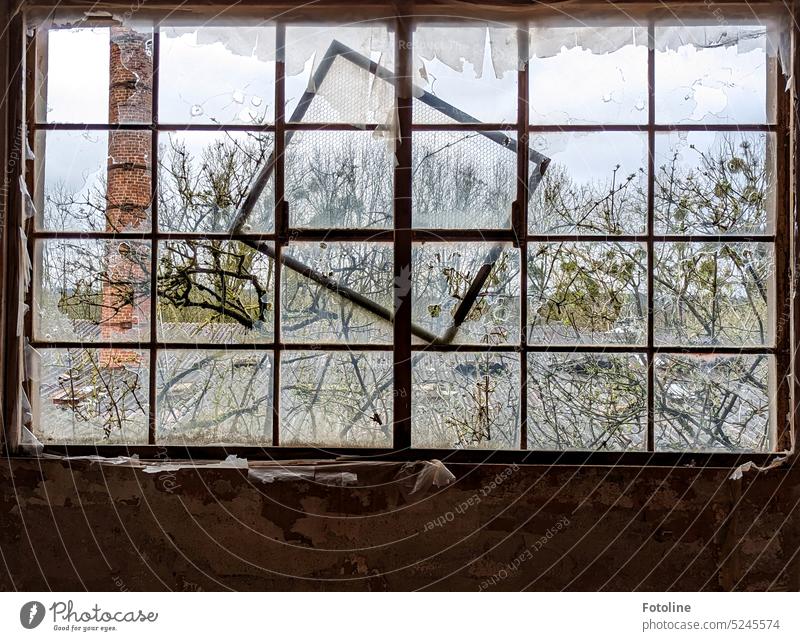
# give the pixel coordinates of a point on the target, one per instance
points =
(404, 236)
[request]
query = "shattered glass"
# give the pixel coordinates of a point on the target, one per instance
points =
(714, 403)
(463, 180)
(339, 179)
(336, 399)
(211, 396)
(595, 184)
(78, 65)
(215, 291)
(714, 183)
(714, 293)
(713, 75)
(92, 290)
(198, 189)
(465, 400)
(73, 194)
(81, 400)
(587, 401)
(588, 76)
(442, 276)
(587, 293)
(312, 313)
(339, 75)
(460, 72)
(234, 82)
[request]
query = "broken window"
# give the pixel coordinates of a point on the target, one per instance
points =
(573, 230)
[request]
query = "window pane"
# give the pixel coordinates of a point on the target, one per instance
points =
(234, 76)
(80, 85)
(455, 65)
(587, 401)
(714, 183)
(204, 178)
(712, 75)
(713, 402)
(588, 76)
(207, 397)
(465, 400)
(77, 64)
(714, 293)
(92, 290)
(587, 293)
(215, 292)
(328, 75)
(91, 396)
(463, 180)
(94, 181)
(339, 179)
(596, 183)
(336, 399)
(312, 313)
(442, 275)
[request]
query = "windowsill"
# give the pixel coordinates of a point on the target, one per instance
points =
(292, 455)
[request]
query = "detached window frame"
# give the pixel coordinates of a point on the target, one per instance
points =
(404, 238)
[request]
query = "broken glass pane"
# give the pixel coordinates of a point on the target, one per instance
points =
(341, 179)
(708, 403)
(206, 396)
(339, 74)
(714, 293)
(714, 183)
(234, 81)
(88, 185)
(313, 313)
(595, 183)
(465, 400)
(92, 290)
(588, 75)
(215, 292)
(712, 75)
(79, 63)
(587, 401)
(204, 178)
(336, 399)
(441, 279)
(587, 293)
(91, 396)
(455, 70)
(463, 179)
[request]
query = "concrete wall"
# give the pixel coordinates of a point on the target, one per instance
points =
(71, 525)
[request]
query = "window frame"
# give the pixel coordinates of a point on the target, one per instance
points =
(786, 328)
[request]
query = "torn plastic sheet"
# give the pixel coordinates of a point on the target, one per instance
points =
(416, 477)
(32, 361)
(231, 462)
(128, 461)
(29, 155)
(458, 40)
(28, 208)
(29, 445)
(750, 466)
(353, 95)
(312, 473)
(459, 44)
(432, 474)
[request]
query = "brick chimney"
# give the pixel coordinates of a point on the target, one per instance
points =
(128, 189)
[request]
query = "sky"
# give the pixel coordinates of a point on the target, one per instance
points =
(205, 81)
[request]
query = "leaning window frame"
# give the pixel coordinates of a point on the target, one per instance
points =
(21, 119)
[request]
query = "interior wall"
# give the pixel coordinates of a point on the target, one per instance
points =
(77, 524)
